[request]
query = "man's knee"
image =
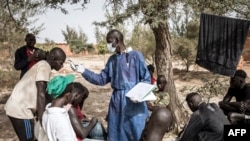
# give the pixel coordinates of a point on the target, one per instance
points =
(234, 118)
(98, 132)
(221, 104)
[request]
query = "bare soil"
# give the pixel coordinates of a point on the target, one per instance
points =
(97, 103)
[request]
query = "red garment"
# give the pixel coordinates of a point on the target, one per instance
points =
(29, 53)
(153, 80)
(80, 115)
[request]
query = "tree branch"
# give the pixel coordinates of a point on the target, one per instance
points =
(12, 17)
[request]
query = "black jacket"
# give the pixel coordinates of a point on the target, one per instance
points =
(21, 60)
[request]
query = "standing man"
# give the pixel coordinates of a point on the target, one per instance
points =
(206, 123)
(124, 69)
(28, 97)
(27, 55)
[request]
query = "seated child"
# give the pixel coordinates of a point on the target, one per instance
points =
(56, 121)
(98, 132)
(162, 96)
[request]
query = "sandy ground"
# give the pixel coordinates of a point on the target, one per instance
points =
(97, 103)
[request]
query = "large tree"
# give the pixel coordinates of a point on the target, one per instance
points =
(156, 15)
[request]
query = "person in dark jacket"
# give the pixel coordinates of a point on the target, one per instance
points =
(237, 111)
(206, 123)
(27, 55)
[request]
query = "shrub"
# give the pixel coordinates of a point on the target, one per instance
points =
(9, 78)
(212, 87)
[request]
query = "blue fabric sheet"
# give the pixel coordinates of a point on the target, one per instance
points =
(126, 119)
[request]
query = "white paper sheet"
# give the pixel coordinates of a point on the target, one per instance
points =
(142, 92)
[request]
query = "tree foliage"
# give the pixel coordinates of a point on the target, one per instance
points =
(142, 39)
(214, 87)
(101, 41)
(235, 8)
(76, 40)
(185, 50)
(16, 19)
(22, 14)
(185, 35)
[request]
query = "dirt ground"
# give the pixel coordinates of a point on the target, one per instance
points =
(97, 103)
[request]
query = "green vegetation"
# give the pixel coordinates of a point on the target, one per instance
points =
(9, 79)
(211, 87)
(77, 39)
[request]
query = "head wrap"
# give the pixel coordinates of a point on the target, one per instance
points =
(57, 84)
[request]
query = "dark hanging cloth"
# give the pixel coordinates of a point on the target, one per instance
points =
(221, 41)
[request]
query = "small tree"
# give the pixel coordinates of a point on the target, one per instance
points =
(142, 39)
(76, 40)
(185, 50)
(210, 88)
(185, 29)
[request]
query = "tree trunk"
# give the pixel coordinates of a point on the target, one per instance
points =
(163, 61)
(187, 67)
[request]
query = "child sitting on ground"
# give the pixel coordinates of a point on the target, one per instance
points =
(162, 96)
(98, 132)
(56, 121)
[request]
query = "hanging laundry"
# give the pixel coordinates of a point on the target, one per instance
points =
(221, 41)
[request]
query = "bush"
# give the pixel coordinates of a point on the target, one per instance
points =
(212, 87)
(9, 78)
